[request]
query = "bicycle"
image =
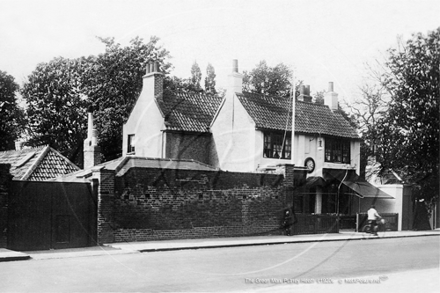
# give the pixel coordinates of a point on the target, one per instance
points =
(373, 230)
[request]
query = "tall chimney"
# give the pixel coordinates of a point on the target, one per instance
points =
(153, 80)
(235, 78)
(331, 98)
(92, 152)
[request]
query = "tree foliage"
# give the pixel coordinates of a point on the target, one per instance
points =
(59, 92)
(196, 76)
(408, 135)
(273, 81)
(210, 80)
(11, 115)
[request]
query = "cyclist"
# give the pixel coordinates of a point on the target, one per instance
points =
(373, 216)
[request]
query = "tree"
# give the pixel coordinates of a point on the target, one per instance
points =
(408, 135)
(113, 81)
(210, 80)
(273, 81)
(196, 76)
(11, 115)
(56, 110)
(59, 92)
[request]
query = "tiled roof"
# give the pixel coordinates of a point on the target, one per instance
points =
(37, 164)
(275, 113)
(189, 112)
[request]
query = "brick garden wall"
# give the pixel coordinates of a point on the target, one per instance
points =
(5, 179)
(155, 204)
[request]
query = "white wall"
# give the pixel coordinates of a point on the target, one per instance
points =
(146, 123)
(234, 135)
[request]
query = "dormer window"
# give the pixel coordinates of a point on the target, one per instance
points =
(130, 144)
(277, 145)
(337, 151)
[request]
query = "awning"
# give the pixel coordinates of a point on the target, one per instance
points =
(361, 187)
(310, 183)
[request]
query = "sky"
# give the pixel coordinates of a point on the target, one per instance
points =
(321, 41)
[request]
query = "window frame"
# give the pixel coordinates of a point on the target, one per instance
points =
(130, 144)
(273, 146)
(337, 150)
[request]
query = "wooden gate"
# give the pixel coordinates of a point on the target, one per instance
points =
(51, 215)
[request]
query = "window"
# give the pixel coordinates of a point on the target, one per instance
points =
(337, 151)
(274, 146)
(130, 143)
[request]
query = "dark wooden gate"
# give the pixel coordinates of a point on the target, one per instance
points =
(51, 215)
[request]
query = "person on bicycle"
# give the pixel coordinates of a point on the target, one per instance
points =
(373, 216)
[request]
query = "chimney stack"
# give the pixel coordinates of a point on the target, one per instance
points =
(235, 79)
(153, 79)
(92, 152)
(304, 93)
(331, 98)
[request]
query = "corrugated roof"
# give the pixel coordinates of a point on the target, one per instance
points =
(37, 164)
(270, 112)
(189, 112)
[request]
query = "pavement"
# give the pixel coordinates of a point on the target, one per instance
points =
(180, 244)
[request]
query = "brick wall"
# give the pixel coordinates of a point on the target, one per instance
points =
(106, 189)
(155, 204)
(5, 179)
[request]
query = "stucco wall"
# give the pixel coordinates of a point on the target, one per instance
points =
(234, 135)
(146, 123)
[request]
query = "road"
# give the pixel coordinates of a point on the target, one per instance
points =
(252, 268)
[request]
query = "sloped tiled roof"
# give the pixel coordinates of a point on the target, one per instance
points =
(189, 112)
(37, 164)
(275, 113)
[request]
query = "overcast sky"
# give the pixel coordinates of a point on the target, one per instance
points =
(322, 40)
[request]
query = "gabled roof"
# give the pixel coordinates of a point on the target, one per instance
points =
(37, 164)
(189, 112)
(123, 164)
(275, 113)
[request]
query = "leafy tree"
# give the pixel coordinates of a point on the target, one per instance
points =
(273, 81)
(113, 81)
(11, 115)
(210, 79)
(56, 110)
(196, 76)
(408, 135)
(59, 92)
(319, 97)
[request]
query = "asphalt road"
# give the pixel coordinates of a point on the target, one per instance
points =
(250, 268)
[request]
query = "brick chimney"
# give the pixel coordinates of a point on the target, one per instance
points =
(92, 152)
(235, 79)
(304, 94)
(331, 98)
(153, 80)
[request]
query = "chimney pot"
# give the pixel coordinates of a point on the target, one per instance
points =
(307, 90)
(235, 65)
(302, 89)
(156, 66)
(330, 86)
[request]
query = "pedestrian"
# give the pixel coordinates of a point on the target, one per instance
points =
(373, 216)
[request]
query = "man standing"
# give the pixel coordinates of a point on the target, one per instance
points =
(373, 216)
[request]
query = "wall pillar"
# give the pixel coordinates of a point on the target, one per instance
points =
(318, 200)
(106, 198)
(5, 180)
